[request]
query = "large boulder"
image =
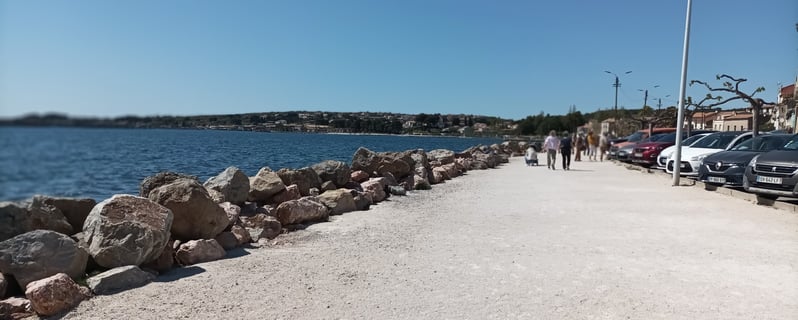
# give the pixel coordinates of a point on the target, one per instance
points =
(439, 175)
(196, 215)
(490, 159)
(198, 251)
(127, 230)
(306, 209)
(47, 217)
(55, 294)
(160, 179)
(336, 172)
(291, 192)
(241, 234)
(376, 188)
(339, 201)
(415, 182)
(232, 185)
(421, 163)
(74, 209)
(227, 240)
(441, 155)
(264, 185)
(14, 220)
(304, 178)
(399, 164)
(39, 254)
(119, 279)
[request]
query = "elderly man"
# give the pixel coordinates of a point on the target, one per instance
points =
(551, 145)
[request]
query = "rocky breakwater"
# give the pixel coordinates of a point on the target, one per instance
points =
(56, 252)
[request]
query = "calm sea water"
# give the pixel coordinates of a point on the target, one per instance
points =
(98, 163)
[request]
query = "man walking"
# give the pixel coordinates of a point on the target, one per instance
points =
(565, 150)
(551, 145)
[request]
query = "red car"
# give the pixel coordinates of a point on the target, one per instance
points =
(645, 153)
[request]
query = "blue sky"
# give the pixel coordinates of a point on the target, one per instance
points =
(503, 58)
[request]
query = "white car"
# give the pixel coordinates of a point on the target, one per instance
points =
(662, 158)
(712, 143)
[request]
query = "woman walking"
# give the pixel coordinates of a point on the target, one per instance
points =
(592, 145)
(551, 145)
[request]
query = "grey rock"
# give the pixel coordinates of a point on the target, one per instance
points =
(336, 172)
(306, 209)
(339, 201)
(227, 240)
(264, 185)
(232, 211)
(3, 286)
(74, 209)
(47, 217)
(327, 186)
(198, 251)
(160, 179)
(397, 190)
(165, 261)
(119, 279)
(196, 215)
(232, 185)
(14, 220)
(441, 155)
(127, 230)
(271, 228)
(363, 201)
(304, 178)
(39, 254)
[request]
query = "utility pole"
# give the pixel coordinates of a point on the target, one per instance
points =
(617, 85)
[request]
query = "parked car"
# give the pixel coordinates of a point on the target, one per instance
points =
(625, 153)
(774, 173)
(635, 138)
(645, 154)
(662, 158)
(727, 167)
(715, 142)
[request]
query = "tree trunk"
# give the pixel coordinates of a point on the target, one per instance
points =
(755, 120)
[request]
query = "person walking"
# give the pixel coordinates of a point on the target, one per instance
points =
(592, 145)
(565, 150)
(551, 145)
(604, 145)
(579, 142)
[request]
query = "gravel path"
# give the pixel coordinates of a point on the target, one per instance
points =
(596, 242)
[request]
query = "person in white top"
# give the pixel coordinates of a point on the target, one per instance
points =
(531, 156)
(551, 145)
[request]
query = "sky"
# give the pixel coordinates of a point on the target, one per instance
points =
(503, 58)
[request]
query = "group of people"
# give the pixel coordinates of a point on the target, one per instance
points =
(596, 147)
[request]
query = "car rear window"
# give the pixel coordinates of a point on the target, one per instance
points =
(715, 141)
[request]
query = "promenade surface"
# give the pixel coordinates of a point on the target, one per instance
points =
(596, 242)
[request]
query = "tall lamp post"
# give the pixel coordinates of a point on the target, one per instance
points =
(617, 85)
(645, 96)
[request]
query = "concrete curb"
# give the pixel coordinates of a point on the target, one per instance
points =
(734, 193)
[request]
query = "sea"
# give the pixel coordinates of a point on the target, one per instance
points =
(100, 162)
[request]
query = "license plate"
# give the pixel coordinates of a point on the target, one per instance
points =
(638, 154)
(717, 179)
(764, 179)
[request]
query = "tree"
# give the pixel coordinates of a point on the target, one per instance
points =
(688, 114)
(732, 85)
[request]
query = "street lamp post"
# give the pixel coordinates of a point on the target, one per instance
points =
(617, 85)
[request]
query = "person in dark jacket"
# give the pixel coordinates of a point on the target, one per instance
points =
(565, 151)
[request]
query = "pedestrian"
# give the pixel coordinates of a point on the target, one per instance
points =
(531, 156)
(551, 145)
(592, 145)
(565, 151)
(578, 142)
(604, 145)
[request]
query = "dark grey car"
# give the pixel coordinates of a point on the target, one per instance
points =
(727, 167)
(774, 173)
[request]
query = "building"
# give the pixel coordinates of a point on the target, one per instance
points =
(733, 121)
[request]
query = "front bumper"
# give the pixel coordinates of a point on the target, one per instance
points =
(729, 175)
